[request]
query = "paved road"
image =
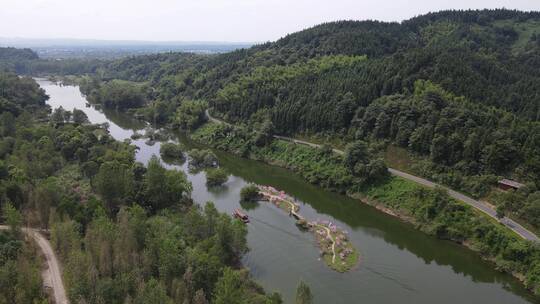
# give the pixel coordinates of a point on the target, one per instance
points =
(511, 224)
(52, 275)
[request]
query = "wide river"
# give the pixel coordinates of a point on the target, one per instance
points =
(398, 264)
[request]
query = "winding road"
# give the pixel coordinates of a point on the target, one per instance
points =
(52, 277)
(508, 222)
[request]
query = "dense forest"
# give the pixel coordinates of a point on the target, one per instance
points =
(125, 233)
(458, 89)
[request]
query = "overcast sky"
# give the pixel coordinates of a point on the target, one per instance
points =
(207, 20)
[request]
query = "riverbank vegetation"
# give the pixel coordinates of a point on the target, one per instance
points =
(115, 94)
(216, 177)
(172, 152)
(123, 232)
(201, 159)
(250, 193)
(432, 211)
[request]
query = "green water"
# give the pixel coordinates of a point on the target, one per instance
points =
(397, 265)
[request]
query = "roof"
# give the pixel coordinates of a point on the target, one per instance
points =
(511, 183)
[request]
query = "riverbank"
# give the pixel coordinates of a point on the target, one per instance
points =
(431, 211)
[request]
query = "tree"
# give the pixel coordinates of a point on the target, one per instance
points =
(114, 181)
(354, 153)
(152, 293)
(202, 159)
(229, 288)
(171, 150)
(266, 133)
(200, 297)
(303, 294)
(216, 177)
(7, 124)
(164, 188)
(501, 211)
(190, 114)
(57, 116)
(79, 117)
(12, 217)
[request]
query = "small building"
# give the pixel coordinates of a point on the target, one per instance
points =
(506, 184)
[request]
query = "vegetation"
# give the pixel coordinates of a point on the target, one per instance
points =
(124, 233)
(20, 266)
(115, 94)
(433, 211)
(318, 166)
(171, 151)
(190, 115)
(216, 177)
(201, 159)
(432, 84)
(457, 89)
(249, 193)
(303, 294)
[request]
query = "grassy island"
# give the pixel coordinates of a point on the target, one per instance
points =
(336, 250)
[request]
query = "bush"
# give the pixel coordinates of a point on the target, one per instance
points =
(216, 177)
(203, 159)
(249, 193)
(170, 150)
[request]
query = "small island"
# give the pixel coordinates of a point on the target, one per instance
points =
(336, 249)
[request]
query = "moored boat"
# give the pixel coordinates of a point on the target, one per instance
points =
(241, 216)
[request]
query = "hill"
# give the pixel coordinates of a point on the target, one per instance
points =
(458, 90)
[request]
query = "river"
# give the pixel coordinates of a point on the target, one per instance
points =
(398, 264)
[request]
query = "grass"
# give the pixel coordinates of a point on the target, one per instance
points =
(393, 193)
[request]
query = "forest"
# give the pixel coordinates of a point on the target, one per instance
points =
(125, 233)
(458, 90)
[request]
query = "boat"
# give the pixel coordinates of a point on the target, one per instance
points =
(241, 216)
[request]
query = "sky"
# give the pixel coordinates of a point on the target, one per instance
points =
(208, 20)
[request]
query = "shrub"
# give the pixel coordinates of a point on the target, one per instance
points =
(249, 193)
(216, 177)
(203, 159)
(171, 150)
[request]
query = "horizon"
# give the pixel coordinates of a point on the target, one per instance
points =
(236, 22)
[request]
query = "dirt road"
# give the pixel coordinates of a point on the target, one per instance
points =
(52, 276)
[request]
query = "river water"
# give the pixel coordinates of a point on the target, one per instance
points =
(398, 264)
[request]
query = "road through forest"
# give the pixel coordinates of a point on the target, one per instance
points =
(511, 224)
(52, 275)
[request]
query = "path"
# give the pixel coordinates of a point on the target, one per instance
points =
(508, 222)
(293, 206)
(52, 275)
(329, 234)
(298, 216)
